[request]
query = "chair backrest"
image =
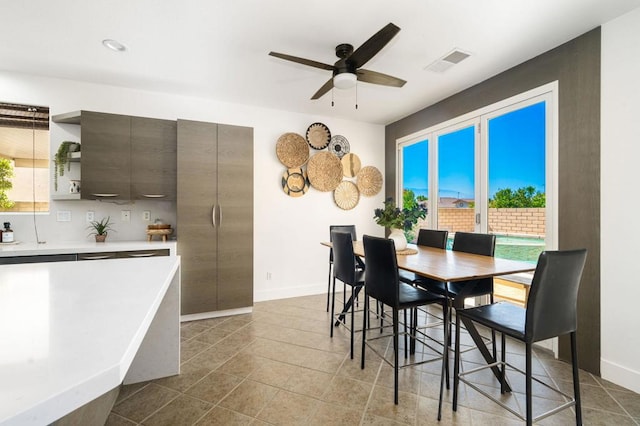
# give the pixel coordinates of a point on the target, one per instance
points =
(553, 298)
(344, 261)
(433, 238)
(381, 276)
(342, 228)
(469, 242)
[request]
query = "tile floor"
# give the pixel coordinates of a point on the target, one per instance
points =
(279, 366)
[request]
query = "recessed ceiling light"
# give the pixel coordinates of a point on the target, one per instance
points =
(114, 45)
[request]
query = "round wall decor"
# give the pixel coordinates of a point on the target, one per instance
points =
(350, 165)
(324, 171)
(292, 150)
(346, 195)
(318, 136)
(369, 181)
(339, 145)
(295, 182)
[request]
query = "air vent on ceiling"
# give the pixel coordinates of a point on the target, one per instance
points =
(447, 61)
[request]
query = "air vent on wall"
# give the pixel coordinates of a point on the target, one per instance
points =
(447, 61)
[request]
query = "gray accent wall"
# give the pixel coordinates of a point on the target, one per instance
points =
(576, 67)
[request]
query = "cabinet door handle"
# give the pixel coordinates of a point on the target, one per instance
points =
(100, 257)
(213, 215)
(220, 209)
(105, 195)
(154, 195)
(141, 254)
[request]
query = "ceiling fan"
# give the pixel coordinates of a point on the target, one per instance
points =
(346, 71)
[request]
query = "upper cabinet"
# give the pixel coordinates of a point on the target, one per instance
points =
(124, 157)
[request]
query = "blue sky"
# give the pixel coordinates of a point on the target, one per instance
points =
(516, 156)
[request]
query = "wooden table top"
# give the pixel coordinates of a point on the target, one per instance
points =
(448, 265)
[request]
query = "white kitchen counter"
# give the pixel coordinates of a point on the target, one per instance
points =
(72, 331)
(34, 249)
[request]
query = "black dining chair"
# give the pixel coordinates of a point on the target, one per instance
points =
(383, 285)
(345, 269)
(342, 228)
(467, 242)
(551, 311)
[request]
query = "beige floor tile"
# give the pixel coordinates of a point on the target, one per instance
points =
(351, 367)
(127, 390)
(214, 356)
(593, 397)
(242, 364)
(219, 416)
(190, 373)
(288, 408)
(309, 382)
(274, 373)
(330, 414)
(408, 378)
(191, 348)
(371, 419)
(145, 402)
(428, 414)
(348, 393)
(213, 335)
(189, 330)
(382, 405)
(116, 420)
(183, 410)
(214, 387)
(481, 418)
(630, 401)
(604, 418)
(249, 398)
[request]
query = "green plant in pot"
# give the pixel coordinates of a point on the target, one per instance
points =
(399, 220)
(61, 159)
(100, 228)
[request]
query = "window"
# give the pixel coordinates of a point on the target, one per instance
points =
(493, 171)
(24, 158)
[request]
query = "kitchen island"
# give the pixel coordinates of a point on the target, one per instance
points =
(71, 332)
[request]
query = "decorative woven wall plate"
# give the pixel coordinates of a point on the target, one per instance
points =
(295, 182)
(339, 145)
(346, 195)
(318, 136)
(292, 150)
(369, 181)
(350, 165)
(324, 171)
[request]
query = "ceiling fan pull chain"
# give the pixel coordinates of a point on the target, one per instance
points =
(356, 95)
(332, 96)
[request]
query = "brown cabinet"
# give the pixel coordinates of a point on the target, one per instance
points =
(215, 216)
(124, 157)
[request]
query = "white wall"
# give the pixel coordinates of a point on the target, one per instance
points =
(620, 226)
(287, 231)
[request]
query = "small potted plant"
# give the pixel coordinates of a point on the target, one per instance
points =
(399, 220)
(100, 229)
(61, 158)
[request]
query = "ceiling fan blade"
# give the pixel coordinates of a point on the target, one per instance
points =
(379, 78)
(324, 89)
(372, 46)
(302, 61)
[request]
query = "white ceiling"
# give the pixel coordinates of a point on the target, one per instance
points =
(219, 48)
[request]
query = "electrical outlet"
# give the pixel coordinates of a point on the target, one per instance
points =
(146, 215)
(125, 215)
(90, 216)
(268, 276)
(63, 216)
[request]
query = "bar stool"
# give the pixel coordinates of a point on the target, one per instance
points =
(551, 311)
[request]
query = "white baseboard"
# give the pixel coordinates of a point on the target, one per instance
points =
(620, 375)
(286, 293)
(216, 314)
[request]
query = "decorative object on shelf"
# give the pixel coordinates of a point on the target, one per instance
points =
(350, 165)
(60, 159)
(398, 220)
(161, 229)
(74, 186)
(292, 150)
(318, 136)
(339, 145)
(324, 171)
(101, 228)
(295, 182)
(346, 195)
(369, 181)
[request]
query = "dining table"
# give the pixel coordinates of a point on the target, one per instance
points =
(452, 266)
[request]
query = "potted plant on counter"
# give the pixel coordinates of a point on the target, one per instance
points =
(100, 228)
(399, 220)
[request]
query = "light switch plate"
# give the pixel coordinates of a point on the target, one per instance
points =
(126, 215)
(90, 216)
(146, 215)
(63, 216)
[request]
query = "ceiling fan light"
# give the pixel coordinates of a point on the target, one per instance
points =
(345, 80)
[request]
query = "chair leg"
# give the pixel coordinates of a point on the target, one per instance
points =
(333, 307)
(503, 377)
(576, 378)
(444, 371)
(395, 356)
(329, 287)
(493, 333)
(406, 349)
(364, 327)
(353, 294)
(446, 338)
(528, 387)
(456, 365)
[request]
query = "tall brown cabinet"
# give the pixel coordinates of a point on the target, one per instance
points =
(215, 216)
